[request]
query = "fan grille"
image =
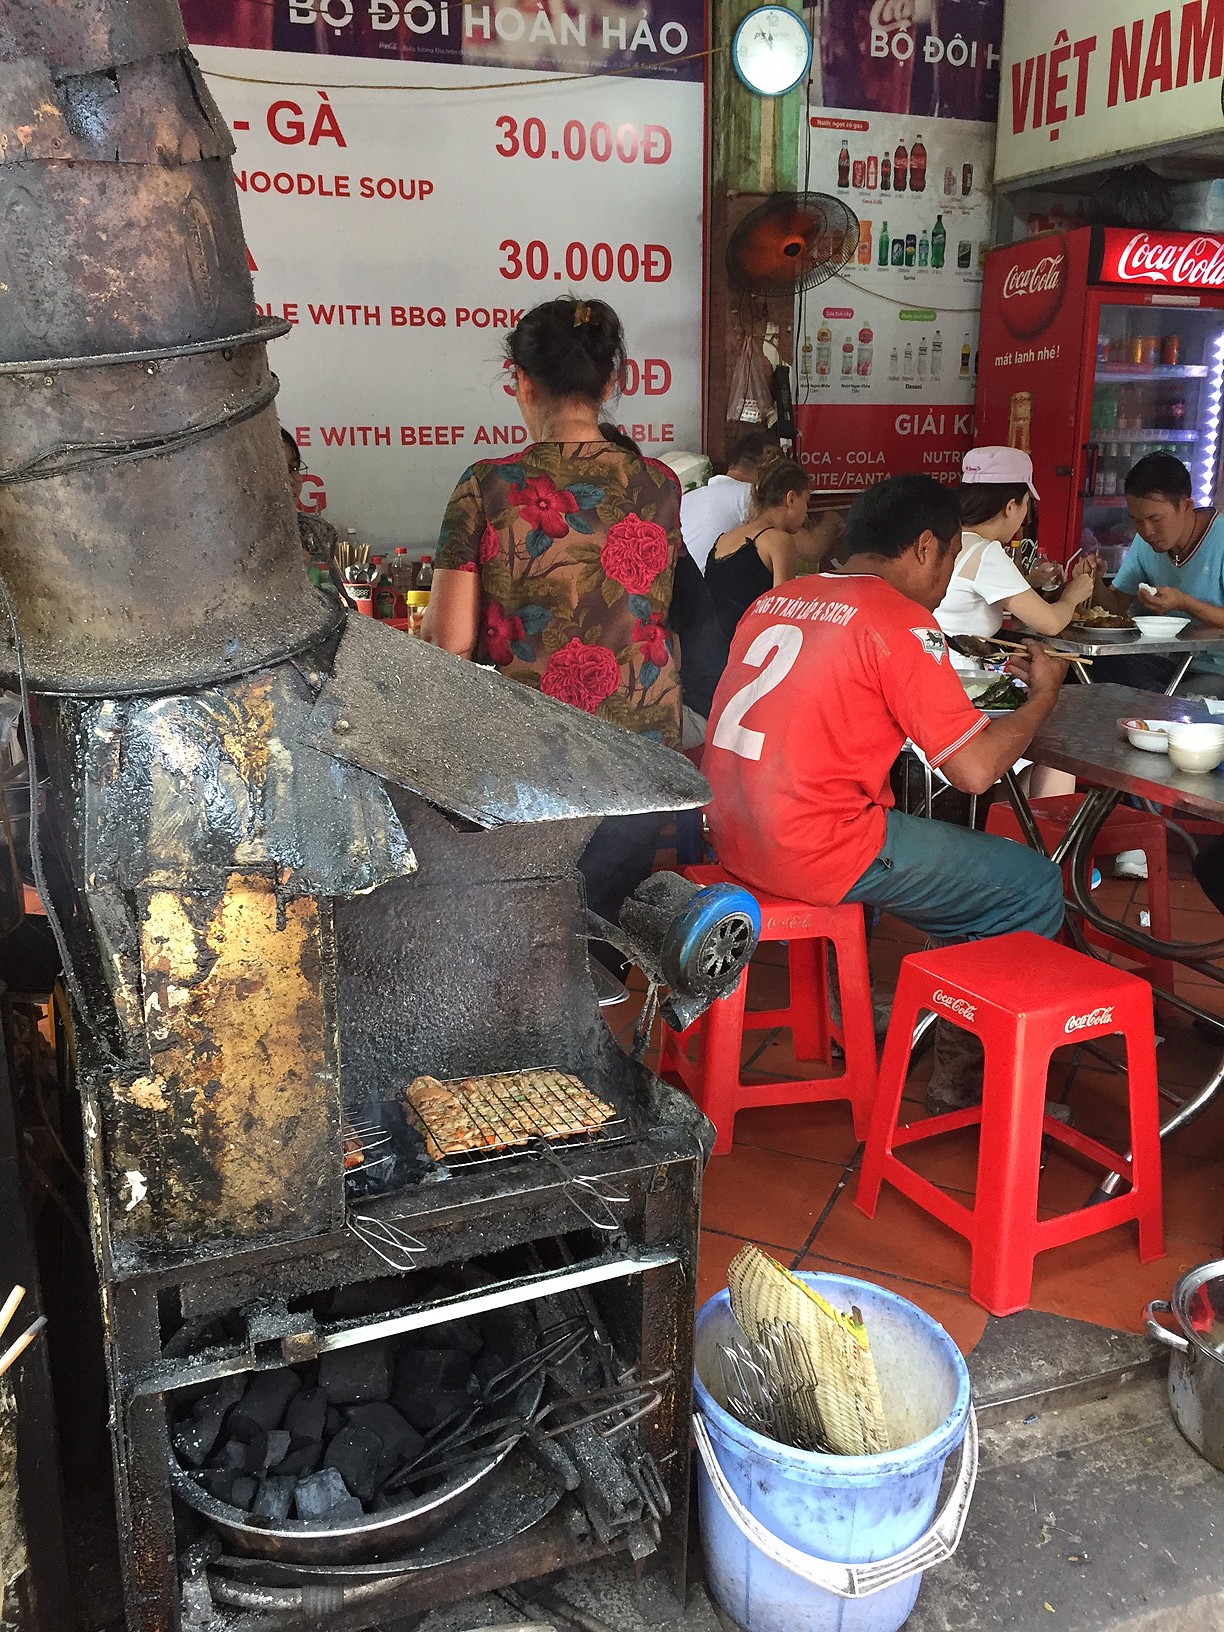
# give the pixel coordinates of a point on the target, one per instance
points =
(791, 242)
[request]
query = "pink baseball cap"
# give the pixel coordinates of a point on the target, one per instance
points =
(998, 465)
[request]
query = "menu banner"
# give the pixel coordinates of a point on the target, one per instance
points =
(405, 219)
(1105, 78)
(887, 349)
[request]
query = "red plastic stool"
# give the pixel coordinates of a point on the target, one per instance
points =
(1124, 829)
(1024, 997)
(713, 1078)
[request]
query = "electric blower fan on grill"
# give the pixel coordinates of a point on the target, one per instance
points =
(790, 243)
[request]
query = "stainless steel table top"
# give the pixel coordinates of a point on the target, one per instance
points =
(1194, 638)
(1082, 736)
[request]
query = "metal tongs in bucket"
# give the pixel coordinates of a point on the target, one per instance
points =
(772, 1387)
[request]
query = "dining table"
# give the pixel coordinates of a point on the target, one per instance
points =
(1082, 735)
(1189, 643)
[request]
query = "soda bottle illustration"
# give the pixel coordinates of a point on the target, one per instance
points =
(882, 256)
(865, 351)
(824, 350)
(898, 251)
(911, 249)
(966, 180)
(885, 173)
(949, 182)
(939, 241)
(900, 166)
(894, 365)
(937, 357)
(917, 167)
(924, 248)
(864, 244)
(843, 166)
(858, 175)
(923, 352)
(907, 370)
(847, 363)
(805, 360)
(964, 363)
(873, 172)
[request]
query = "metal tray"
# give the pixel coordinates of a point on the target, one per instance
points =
(1097, 634)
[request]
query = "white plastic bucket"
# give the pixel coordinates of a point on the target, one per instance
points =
(796, 1541)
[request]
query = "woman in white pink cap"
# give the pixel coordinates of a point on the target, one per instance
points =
(995, 494)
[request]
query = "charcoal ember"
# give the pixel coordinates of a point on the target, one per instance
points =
(325, 1495)
(304, 1457)
(356, 1376)
(244, 1492)
(275, 1499)
(218, 1482)
(279, 1442)
(400, 1440)
(360, 1459)
(243, 1456)
(264, 1403)
(306, 1417)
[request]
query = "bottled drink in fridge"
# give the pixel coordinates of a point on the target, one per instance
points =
(1170, 350)
(882, 254)
(939, 242)
(911, 249)
(824, 350)
(865, 351)
(924, 248)
(900, 167)
(937, 357)
(917, 167)
(885, 173)
(873, 172)
(843, 166)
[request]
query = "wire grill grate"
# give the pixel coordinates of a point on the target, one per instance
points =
(504, 1114)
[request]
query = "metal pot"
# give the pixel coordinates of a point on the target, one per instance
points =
(1196, 1363)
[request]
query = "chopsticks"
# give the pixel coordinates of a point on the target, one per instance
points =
(15, 1350)
(1050, 651)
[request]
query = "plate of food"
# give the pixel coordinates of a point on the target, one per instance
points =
(1095, 623)
(997, 697)
(1150, 735)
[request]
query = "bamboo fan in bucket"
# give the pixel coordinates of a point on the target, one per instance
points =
(764, 1296)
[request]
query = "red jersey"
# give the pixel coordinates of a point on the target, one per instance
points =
(828, 677)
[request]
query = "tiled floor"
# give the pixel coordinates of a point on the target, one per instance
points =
(788, 1183)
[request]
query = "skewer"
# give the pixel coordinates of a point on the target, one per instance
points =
(10, 1307)
(22, 1344)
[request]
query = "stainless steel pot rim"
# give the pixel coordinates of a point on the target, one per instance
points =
(1187, 1287)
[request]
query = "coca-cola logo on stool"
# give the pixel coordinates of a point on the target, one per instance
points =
(1178, 259)
(1081, 1022)
(958, 1005)
(1033, 286)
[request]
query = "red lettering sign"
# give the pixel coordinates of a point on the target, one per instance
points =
(1175, 260)
(1034, 286)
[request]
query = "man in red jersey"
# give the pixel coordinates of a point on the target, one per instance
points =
(827, 679)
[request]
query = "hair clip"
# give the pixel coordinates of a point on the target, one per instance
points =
(582, 313)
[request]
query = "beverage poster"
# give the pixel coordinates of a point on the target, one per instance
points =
(887, 350)
(413, 178)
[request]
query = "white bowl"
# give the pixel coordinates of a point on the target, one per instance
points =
(1196, 760)
(1150, 735)
(1160, 628)
(1196, 736)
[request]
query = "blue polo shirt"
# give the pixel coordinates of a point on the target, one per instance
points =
(1202, 577)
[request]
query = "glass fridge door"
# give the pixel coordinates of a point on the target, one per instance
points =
(1157, 390)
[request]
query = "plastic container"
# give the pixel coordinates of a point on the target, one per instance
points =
(811, 1519)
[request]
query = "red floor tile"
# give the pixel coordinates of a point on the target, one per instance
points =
(900, 1240)
(765, 1196)
(824, 1131)
(1101, 1280)
(716, 1252)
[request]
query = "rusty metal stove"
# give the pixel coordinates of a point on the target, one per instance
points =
(307, 860)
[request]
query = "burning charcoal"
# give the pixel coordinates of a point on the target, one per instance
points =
(244, 1493)
(356, 1376)
(360, 1460)
(325, 1495)
(400, 1441)
(304, 1457)
(240, 1457)
(218, 1482)
(264, 1403)
(307, 1414)
(279, 1443)
(275, 1499)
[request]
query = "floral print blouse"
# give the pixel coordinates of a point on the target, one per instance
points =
(576, 545)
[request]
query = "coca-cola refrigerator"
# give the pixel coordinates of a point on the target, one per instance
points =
(1099, 346)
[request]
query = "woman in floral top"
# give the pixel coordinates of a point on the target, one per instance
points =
(555, 564)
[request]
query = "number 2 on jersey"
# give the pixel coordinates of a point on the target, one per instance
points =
(779, 644)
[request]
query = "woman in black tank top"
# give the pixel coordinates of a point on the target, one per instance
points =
(757, 556)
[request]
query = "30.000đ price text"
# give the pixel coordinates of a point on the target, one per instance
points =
(627, 263)
(649, 144)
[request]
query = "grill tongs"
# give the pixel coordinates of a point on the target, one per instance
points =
(473, 1435)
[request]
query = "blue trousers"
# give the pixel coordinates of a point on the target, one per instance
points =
(956, 885)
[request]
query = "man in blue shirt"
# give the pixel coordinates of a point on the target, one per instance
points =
(1175, 564)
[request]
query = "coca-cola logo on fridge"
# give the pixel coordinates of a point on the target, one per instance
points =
(1033, 286)
(1175, 260)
